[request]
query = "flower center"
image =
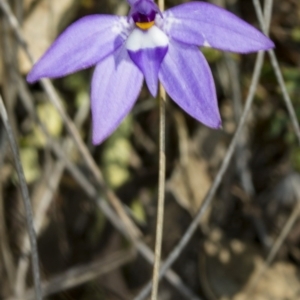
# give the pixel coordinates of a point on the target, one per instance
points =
(144, 21)
(144, 25)
(143, 13)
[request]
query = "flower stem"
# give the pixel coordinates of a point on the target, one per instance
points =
(161, 182)
(161, 191)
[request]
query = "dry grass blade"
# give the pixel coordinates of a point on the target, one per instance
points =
(81, 274)
(110, 195)
(45, 200)
(218, 179)
(268, 6)
(241, 159)
(27, 203)
(161, 189)
(278, 73)
(55, 100)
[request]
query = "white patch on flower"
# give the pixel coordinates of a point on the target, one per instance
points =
(146, 39)
(122, 27)
(206, 44)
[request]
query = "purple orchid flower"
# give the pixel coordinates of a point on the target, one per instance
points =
(153, 45)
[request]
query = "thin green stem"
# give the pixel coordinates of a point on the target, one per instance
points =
(161, 191)
(161, 183)
(27, 203)
(217, 181)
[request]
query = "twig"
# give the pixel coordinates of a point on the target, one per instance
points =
(27, 203)
(242, 155)
(209, 197)
(242, 159)
(110, 195)
(268, 6)
(161, 190)
(278, 73)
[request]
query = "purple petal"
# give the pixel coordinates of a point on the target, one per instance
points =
(187, 78)
(149, 60)
(143, 11)
(116, 85)
(147, 48)
(81, 45)
(204, 24)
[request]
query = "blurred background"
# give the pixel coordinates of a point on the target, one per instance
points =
(83, 195)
